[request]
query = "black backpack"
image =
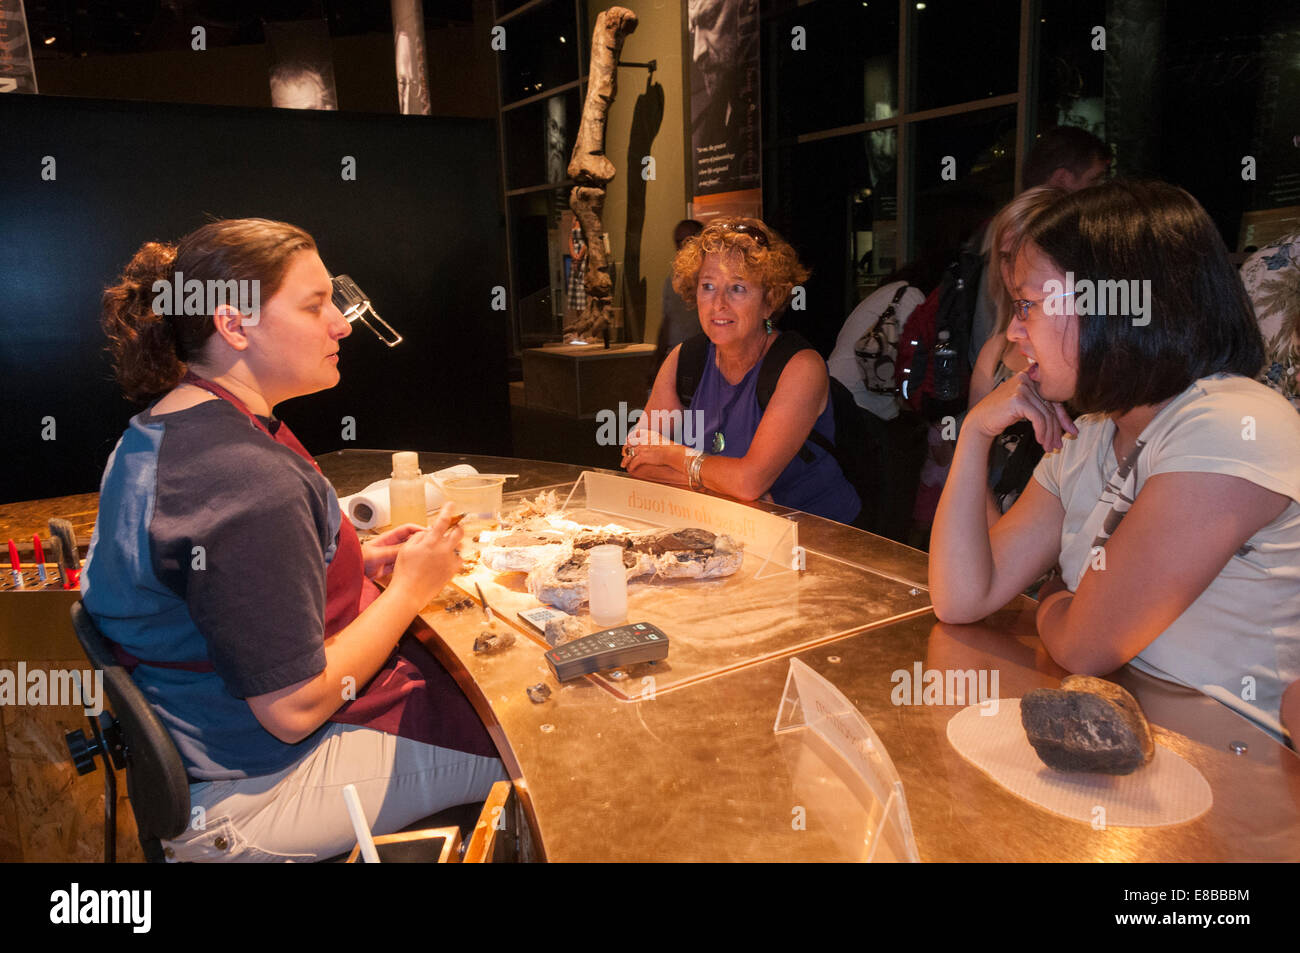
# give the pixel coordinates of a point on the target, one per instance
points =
(858, 446)
(951, 308)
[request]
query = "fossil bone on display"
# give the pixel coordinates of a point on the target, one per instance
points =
(591, 169)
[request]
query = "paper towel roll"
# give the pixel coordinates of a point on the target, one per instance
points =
(370, 507)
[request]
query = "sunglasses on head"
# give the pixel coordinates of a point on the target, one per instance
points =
(759, 236)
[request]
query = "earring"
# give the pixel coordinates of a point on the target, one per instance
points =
(767, 323)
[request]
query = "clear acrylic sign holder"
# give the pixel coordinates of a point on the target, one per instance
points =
(811, 704)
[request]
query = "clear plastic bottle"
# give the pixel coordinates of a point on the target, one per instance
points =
(406, 500)
(607, 586)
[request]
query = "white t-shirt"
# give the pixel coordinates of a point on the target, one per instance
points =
(1241, 637)
(843, 362)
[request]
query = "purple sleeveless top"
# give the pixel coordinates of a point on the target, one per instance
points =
(818, 487)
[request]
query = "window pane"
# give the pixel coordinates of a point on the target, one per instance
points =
(847, 74)
(539, 139)
(541, 51)
(963, 51)
(964, 171)
(1230, 88)
(537, 253)
(505, 6)
(835, 201)
(1069, 69)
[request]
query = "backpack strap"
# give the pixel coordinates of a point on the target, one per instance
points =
(898, 296)
(695, 352)
(778, 356)
(690, 367)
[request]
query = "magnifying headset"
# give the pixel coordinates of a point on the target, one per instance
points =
(352, 301)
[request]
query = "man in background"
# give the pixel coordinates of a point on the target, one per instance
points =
(1065, 157)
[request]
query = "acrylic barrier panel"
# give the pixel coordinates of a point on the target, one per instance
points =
(774, 537)
(713, 625)
(837, 743)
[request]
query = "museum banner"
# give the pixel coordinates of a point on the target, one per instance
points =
(725, 157)
(17, 73)
(408, 54)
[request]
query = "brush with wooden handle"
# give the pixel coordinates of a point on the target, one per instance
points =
(69, 556)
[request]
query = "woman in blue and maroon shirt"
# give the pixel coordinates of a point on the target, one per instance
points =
(226, 575)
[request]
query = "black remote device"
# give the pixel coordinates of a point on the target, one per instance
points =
(621, 645)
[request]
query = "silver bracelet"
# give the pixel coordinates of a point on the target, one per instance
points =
(693, 477)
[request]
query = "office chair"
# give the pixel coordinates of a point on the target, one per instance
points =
(128, 734)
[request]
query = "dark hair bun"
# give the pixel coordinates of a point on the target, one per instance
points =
(142, 342)
(150, 351)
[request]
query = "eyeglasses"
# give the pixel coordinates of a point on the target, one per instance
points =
(1021, 307)
(759, 236)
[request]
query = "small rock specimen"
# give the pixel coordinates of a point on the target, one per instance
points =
(489, 641)
(538, 693)
(562, 630)
(1088, 724)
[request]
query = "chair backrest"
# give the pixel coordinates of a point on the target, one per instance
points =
(155, 775)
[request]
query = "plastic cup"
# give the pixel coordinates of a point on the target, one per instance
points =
(478, 496)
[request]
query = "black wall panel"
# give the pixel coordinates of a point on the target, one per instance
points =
(420, 229)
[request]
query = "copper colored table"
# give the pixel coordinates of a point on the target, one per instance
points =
(696, 772)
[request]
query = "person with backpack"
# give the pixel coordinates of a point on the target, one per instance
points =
(865, 361)
(756, 405)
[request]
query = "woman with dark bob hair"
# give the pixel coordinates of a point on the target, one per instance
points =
(230, 583)
(739, 274)
(1173, 505)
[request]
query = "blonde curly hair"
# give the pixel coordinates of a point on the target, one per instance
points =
(768, 259)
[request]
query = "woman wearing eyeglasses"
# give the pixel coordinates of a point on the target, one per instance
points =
(1173, 503)
(234, 589)
(739, 274)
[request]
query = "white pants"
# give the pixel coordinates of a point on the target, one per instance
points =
(298, 814)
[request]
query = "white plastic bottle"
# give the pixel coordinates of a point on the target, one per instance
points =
(406, 498)
(607, 586)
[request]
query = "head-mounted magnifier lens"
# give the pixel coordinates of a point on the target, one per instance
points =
(354, 304)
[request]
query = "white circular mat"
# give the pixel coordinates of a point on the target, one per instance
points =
(1165, 791)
